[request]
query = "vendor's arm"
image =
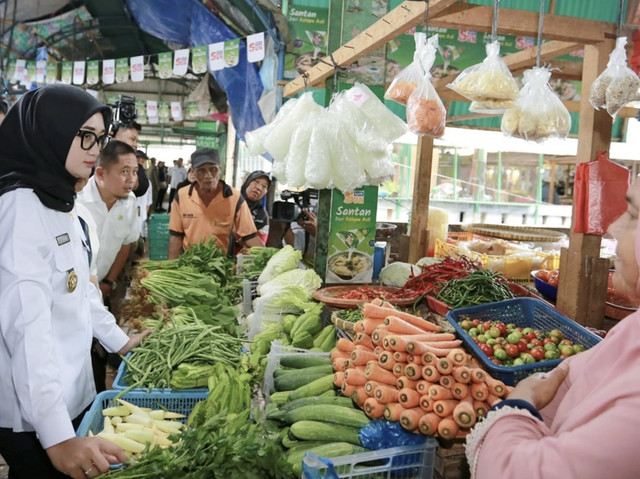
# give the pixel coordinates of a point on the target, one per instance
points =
(246, 228)
(512, 443)
(176, 231)
(115, 270)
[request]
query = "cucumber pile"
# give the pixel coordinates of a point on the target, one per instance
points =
(310, 414)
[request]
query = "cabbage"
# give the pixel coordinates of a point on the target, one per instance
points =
(397, 274)
(286, 299)
(307, 278)
(284, 260)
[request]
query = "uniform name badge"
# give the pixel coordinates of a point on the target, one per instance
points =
(72, 280)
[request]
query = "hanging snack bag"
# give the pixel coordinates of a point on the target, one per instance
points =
(489, 82)
(426, 114)
(617, 84)
(408, 79)
(538, 113)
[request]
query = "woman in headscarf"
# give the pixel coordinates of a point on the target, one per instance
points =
(50, 311)
(253, 189)
(581, 419)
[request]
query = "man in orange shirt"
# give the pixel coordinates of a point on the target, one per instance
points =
(209, 208)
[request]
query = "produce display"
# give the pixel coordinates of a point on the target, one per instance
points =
(481, 286)
(403, 368)
(510, 345)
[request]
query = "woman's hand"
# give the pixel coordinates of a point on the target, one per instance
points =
(134, 341)
(82, 457)
(540, 388)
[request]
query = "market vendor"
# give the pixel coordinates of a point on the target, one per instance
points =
(254, 189)
(581, 419)
(209, 209)
(50, 310)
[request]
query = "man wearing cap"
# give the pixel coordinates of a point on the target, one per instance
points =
(209, 209)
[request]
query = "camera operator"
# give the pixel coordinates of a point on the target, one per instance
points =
(295, 223)
(127, 130)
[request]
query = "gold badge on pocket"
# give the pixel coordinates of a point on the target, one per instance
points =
(72, 281)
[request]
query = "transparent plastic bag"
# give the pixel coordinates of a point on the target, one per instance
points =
(491, 107)
(318, 167)
(489, 80)
(539, 113)
(255, 139)
(296, 158)
(405, 82)
(617, 84)
(426, 114)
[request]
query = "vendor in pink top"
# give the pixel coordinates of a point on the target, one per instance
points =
(581, 420)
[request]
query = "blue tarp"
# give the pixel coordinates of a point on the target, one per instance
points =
(193, 25)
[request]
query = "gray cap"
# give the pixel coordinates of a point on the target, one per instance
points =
(204, 155)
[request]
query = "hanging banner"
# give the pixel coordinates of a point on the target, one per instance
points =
(67, 73)
(29, 74)
(137, 68)
(153, 120)
(108, 71)
(78, 72)
(180, 62)
(199, 59)
(165, 64)
(216, 56)
(41, 54)
(255, 47)
(163, 111)
(41, 71)
(52, 73)
(176, 111)
(93, 72)
(18, 73)
(231, 52)
(152, 109)
(122, 70)
(141, 110)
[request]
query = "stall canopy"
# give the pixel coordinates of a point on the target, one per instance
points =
(111, 29)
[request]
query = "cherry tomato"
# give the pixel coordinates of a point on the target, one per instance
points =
(530, 336)
(474, 323)
(487, 325)
(486, 349)
(512, 350)
(502, 327)
(522, 346)
(537, 352)
(536, 342)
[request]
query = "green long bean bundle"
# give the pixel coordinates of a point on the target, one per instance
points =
(151, 364)
(480, 287)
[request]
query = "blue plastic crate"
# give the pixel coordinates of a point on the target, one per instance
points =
(525, 312)
(403, 462)
(120, 383)
(179, 402)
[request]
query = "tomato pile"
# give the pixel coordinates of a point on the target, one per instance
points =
(549, 276)
(508, 345)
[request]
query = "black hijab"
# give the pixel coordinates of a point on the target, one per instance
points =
(260, 216)
(35, 138)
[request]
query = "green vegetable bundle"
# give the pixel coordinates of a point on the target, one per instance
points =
(152, 363)
(480, 287)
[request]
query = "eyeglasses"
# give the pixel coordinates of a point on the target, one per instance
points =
(89, 138)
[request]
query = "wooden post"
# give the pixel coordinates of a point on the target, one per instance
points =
(420, 209)
(581, 295)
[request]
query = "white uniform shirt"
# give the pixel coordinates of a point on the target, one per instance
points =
(178, 174)
(83, 212)
(46, 326)
(144, 202)
(116, 227)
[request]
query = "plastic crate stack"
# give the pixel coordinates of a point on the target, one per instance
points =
(158, 236)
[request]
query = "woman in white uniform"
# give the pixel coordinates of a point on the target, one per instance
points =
(50, 311)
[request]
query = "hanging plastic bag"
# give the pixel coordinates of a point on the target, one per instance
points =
(488, 82)
(600, 189)
(411, 76)
(319, 159)
(296, 158)
(269, 69)
(426, 114)
(255, 139)
(617, 85)
(539, 113)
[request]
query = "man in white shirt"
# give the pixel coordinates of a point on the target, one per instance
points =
(177, 175)
(109, 198)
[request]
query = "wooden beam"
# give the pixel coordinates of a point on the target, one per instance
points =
(402, 18)
(527, 58)
(524, 23)
(418, 241)
(580, 264)
(565, 69)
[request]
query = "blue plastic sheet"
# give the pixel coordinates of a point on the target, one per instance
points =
(193, 25)
(381, 434)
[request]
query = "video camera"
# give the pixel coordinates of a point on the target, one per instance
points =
(124, 111)
(292, 211)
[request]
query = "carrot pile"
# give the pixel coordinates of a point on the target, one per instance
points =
(405, 369)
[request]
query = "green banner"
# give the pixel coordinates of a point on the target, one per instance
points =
(93, 72)
(67, 72)
(122, 70)
(232, 52)
(308, 29)
(141, 110)
(199, 59)
(208, 141)
(52, 72)
(165, 64)
(164, 111)
(31, 70)
(352, 235)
